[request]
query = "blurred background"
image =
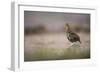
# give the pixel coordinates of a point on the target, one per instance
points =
(54, 22)
(45, 36)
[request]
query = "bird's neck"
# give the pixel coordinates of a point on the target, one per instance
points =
(69, 30)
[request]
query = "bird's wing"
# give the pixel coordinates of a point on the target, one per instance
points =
(73, 35)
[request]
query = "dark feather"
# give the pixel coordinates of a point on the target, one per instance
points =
(73, 37)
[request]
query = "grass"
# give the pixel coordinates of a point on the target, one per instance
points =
(73, 52)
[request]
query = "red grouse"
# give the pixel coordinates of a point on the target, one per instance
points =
(71, 36)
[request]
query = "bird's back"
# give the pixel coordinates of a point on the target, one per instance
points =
(73, 37)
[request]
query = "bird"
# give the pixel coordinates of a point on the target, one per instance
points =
(71, 36)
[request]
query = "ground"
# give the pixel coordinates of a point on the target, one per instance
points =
(54, 46)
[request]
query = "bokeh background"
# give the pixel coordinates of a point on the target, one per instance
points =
(45, 36)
